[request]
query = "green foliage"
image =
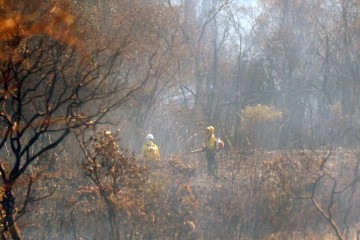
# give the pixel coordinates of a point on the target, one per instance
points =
(250, 116)
(256, 123)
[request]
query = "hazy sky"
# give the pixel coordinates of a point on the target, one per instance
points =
(248, 2)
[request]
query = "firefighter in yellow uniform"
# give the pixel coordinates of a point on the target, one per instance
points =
(210, 150)
(150, 151)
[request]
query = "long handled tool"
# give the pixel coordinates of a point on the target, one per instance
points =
(197, 150)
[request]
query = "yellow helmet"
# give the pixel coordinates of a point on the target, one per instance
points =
(211, 129)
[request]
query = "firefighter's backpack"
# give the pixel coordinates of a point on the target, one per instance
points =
(219, 144)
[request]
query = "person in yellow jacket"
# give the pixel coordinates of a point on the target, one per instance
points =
(210, 150)
(150, 151)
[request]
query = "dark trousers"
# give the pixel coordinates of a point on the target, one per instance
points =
(211, 163)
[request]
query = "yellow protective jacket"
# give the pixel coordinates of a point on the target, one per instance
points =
(210, 144)
(150, 151)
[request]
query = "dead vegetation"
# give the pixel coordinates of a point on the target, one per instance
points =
(300, 194)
